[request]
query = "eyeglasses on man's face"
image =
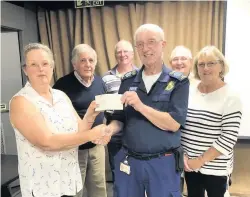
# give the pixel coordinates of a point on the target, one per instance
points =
(150, 44)
(124, 52)
(209, 64)
(182, 59)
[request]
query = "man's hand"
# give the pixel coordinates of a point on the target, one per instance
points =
(104, 140)
(91, 113)
(195, 163)
(131, 98)
(97, 132)
(186, 167)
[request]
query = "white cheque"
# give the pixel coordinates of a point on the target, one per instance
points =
(109, 102)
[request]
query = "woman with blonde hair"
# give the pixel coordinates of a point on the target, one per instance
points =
(212, 126)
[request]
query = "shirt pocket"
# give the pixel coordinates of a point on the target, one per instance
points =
(161, 102)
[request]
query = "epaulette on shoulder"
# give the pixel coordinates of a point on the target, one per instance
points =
(129, 74)
(177, 75)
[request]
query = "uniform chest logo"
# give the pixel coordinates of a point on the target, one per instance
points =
(132, 88)
(170, 86)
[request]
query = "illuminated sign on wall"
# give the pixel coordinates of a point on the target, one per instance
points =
(86, 3)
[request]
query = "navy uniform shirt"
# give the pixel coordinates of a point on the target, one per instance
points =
(168, 94)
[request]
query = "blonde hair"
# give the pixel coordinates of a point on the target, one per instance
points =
(36, 46)
(210, 51)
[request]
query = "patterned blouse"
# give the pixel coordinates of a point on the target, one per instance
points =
(49, 173)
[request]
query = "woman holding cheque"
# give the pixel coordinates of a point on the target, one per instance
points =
(48, 130)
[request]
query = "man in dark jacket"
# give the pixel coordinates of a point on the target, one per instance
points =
(82, 86)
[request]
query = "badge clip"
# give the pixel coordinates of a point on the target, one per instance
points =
(124, 166)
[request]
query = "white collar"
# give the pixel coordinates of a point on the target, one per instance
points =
(79, 78)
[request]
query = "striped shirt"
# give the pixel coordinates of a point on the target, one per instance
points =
(213, 120)
(112, 80)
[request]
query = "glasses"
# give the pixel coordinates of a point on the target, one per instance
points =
(182, 59)
(43, 65)
(149, 44)
(125, 52)
(209, 64)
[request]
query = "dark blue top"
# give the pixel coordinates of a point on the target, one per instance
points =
(168, 94)
(81, 96)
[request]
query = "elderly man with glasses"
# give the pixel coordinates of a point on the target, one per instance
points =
(124, 55)
(155, 105)
(181, 60)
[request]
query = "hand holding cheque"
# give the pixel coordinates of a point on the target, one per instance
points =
(115, 102)
(107, 102)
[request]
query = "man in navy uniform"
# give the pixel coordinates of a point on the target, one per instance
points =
(155, 105)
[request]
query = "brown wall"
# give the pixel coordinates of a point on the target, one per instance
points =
(241, 173)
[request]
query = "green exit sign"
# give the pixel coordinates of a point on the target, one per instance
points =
(93, 3)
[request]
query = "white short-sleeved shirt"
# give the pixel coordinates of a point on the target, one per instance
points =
(49, 173)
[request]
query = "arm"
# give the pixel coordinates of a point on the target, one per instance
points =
(209, 155)
(23, 114)
(198, 162)
(116, 120)
(83, 124)
(228, 138)
(171, 120)
(230, 126)
(89, 118)
(115, 126)
(162, 120)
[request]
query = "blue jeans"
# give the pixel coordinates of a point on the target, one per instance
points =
(157, 177)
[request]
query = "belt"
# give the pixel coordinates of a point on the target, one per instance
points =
(149, 156)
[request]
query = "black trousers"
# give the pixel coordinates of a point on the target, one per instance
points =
(113, 149)
(197, 183)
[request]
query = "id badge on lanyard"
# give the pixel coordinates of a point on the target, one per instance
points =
(124, 166)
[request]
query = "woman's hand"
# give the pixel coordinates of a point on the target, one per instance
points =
(91, 113)
(186, 167)
(196, 163)
(104, 140)
(97, 132)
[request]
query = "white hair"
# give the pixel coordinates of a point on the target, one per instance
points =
(130, 47)
(82, 48)
(150, 27)
(182, 48)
